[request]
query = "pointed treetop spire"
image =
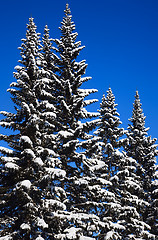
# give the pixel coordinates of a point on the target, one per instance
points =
(137, 94)
(110, 90)
(67, 11)
(138, 118)
(137, 102)
(46, 29)
(31, 26)
(31, 19)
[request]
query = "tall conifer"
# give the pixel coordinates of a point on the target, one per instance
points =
(109, 134)
(142, 148)
(20, 203)
(27, 168)
(109, 131)
(74, 132)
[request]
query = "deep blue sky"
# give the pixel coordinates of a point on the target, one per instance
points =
(121, 39)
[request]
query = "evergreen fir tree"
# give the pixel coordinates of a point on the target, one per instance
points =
(28, 167)
(54, 208)
(127, 189)
(74, 133)
(108, 137)
(143, 149)
(20, 208)
(109, 131)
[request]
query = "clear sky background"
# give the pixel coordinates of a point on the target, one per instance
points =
(121, 39)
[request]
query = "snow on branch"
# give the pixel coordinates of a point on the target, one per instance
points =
(6, 151)
(54, 172)
(86, 92)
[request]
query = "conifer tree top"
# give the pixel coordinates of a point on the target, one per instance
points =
(108, 103)
(67, 23)
(67, 11)
(109, 122)
(138, 118)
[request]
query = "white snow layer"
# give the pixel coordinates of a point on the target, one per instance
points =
(86, 238)
(24, 183)
(86, 92)
(51, 152)
(6, 150)
(49, 106)
(104, 182)
(12, 166)
(76, 216)
(41, 223)
(9, 159)
(109, 235)
(56, 172)
(29, 152)
(88, 102)
(81, 182)
(26, 139)
(71, 232)
(25, 226)
(39, 238)
(50, 203)
(49, 114)
(65, 134)
(118, 153)
(99, 164)
(38, 161)
(7, 237)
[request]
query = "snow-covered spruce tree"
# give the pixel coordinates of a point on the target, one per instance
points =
(128, 188)
(109, 131)
(74, 133)
(108, 137)
(18, 207)
(143, 149)
(57, 216)
(27, 165)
